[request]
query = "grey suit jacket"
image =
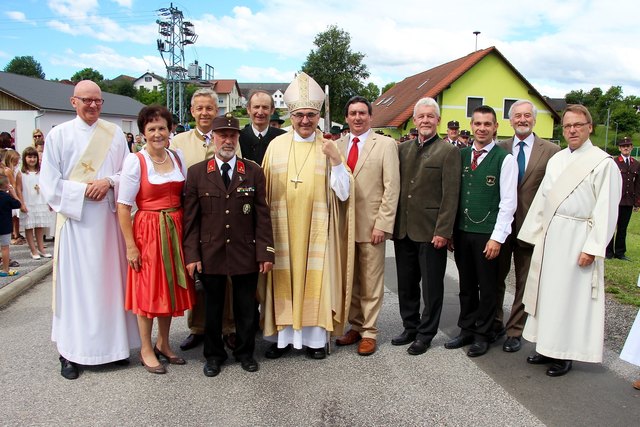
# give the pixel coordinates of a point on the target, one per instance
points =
(541, 151)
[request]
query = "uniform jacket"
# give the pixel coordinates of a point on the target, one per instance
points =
(429, 188)
(229, 230)
(377, 184)
(630, 181)
(541, 151)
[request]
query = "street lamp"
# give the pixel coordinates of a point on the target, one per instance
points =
(615, 138)
(476, 33)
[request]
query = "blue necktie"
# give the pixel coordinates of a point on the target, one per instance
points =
(521, 163)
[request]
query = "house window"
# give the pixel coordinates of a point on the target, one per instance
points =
(507, 106)
(472, 104)
(147, 79)
(155, 88)
(220, 100)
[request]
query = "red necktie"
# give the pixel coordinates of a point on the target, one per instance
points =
(474, 161)
(353, 154)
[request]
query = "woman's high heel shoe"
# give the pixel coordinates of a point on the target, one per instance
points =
(172, 360)
(160, 369)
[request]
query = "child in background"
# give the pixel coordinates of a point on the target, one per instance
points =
(35, 215)
(11, 171)
(8, 201)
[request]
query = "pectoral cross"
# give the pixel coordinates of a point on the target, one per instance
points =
(37, 188)
(87, 167)
(296, 181)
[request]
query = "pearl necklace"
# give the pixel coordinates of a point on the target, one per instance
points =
(166, 156)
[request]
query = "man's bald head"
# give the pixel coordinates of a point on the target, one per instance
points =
(87, 101)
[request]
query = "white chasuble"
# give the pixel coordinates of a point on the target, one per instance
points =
(90, 325)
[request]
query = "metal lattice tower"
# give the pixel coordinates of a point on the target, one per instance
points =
(175, 33)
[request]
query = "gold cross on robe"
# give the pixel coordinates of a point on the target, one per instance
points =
(87, 167)
(296, 181)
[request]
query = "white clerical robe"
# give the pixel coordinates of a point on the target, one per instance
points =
(90, 325)
(568, 319)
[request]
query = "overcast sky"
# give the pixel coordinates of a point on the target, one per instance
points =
(557, 45)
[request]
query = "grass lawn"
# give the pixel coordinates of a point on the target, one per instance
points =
(621, 277)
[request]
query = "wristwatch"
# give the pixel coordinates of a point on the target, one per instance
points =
(111, 183)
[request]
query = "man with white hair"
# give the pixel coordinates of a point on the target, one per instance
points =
(308, 190)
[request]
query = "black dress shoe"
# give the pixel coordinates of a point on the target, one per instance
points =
(418, 347)
(274, 352)
(68, 369)
(459, 341)
(559, 367)
(608, 256)
(404, 338)
(316, 353)
(122, 362)
(539, 359)
(249, 365)
(211, 368)
(623, 258)
(478, 349)
(192, 341)
(512, 344)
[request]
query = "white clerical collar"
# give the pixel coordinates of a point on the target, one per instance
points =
(298, 138)
(257, 133)
(361, 138)
(231, 162)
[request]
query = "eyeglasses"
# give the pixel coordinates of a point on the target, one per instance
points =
(301, 116)
(37, 136)
(576, 126)
(89, 101)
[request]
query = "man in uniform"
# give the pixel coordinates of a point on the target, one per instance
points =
(464, 138)
(196, 146)
(430, 183)
(80, 168)
(227, 232)
(308, 190)
(453, 128)
(255, 139)
(630, 201)
(531, 154)
(373, 161)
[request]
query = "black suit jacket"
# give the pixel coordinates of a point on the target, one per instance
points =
(253, 148)
(227, 229)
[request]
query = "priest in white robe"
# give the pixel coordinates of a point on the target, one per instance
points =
(307, 295)
(80, 170)
(570, 222)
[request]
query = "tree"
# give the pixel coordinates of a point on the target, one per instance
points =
(148, 97)
(26, 66)
(87, 74)
(387, 87)
(371, 92)
(118, 86)
(333, 63)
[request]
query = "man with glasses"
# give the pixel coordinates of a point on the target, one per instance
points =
(630, 201)
(308, 190)
(570, 222)
(80, 168)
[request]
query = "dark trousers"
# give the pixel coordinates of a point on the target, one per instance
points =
(521, 260)
(244, 305)
(618, 244)
(478, 283)
(416, 262)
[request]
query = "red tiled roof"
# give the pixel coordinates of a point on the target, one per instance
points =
(394, 107)
(225, 86)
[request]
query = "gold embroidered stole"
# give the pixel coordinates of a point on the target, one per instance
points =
(85, 170)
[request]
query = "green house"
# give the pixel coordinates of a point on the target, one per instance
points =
(484, 77)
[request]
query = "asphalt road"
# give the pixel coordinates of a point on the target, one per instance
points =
(441, 387)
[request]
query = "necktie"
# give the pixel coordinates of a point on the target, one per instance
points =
(225, 174)
(353, 154)
(260, 136)
(627, 161)
(476, 155)
(521, 161)
(206, 140)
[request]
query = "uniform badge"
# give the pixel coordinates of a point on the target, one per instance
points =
(240, 166)
(246, 209)
(211, 166)
(491, 180)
